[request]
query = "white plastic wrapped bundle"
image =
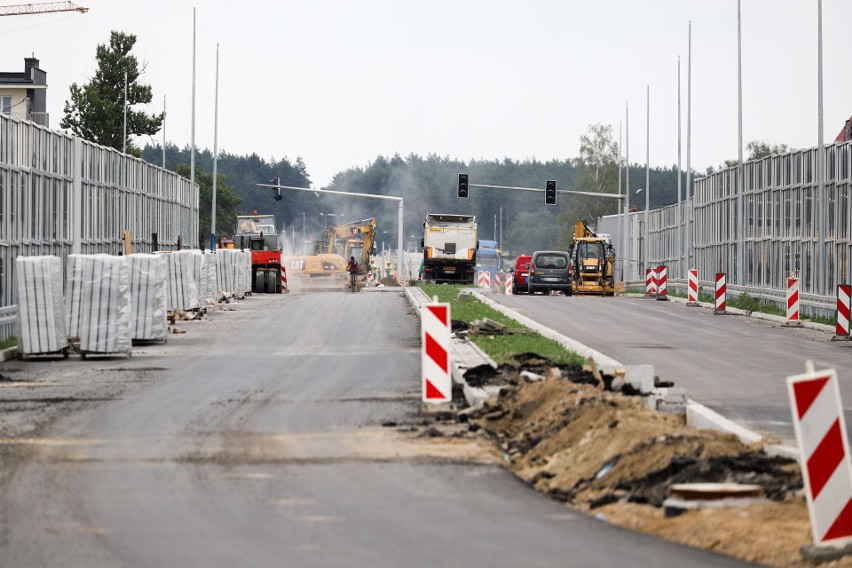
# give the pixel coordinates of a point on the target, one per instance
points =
(194, 260)
(245, 273)
(183, 287)
(98, 302)
(202, 280)
(41, 326)
(148, 285)
(211, 262)
(224, 264)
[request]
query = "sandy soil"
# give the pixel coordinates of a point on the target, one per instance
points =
(608, 454)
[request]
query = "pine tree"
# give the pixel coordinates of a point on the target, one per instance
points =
(96, 109)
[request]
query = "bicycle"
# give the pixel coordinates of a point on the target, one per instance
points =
(353, 281)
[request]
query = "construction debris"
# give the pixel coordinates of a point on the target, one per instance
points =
(564, 431)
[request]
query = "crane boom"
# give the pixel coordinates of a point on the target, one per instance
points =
(42, 8)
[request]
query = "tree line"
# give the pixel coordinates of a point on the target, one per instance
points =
(427, 183)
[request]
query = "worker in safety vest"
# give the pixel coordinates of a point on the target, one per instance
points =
(390, 269)
(374, 270)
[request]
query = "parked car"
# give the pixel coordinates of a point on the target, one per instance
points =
(550, 270)
(521, 274)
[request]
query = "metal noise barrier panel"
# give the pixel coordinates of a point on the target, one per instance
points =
(41, 325)
(98, 302)
(148, 285)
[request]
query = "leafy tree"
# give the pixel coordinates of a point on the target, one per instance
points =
(226, 204)
(758, 149)
(96, 109)
(530, 232)
(598, 163)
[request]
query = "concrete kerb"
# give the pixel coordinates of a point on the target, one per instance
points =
(756, 315)
(8, 354)
(464, 355)
(697, 415)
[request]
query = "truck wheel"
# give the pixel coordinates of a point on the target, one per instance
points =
(270, 281)
(259, 281)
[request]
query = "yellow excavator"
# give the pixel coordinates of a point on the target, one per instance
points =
(323, 266)
(352, 239)
(593, 262)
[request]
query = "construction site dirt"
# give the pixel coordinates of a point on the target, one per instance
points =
(607, 453)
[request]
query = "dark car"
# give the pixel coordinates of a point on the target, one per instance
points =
(521, 274)
(550, 270)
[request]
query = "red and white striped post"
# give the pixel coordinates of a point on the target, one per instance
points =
(692, 287)
(510, 284)
(435, 353)
(821, 435)
(721, 294)
(662, 282)
(792, 302)
(484, 280)
(650, 282)
(841, 330)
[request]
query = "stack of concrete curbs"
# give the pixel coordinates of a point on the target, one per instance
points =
(211, 287)
(98, 303)
(182, 285)
(148, 292)
(41, 325)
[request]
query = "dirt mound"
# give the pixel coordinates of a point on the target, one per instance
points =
(389, 281)
(612, 455)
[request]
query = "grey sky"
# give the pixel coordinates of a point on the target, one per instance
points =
(339, 82)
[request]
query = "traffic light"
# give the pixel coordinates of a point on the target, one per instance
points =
(550, 192)
(464, 191)
(276, 181)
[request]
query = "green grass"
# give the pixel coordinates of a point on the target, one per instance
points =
(501, 348)
(11, 342)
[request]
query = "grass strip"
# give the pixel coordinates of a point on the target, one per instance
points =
(501, 348)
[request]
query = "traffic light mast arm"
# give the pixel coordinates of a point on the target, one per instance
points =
(539, 190)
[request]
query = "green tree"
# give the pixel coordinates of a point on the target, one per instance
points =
(227, 202)
(95, 111)
(758, 149)
(598, 164)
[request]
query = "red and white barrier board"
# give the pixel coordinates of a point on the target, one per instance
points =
(510, 284)
(484, 280)
(692, 288)
(650, 281)
(662, 282)
(821, 435)
(721, 293)
(435, 353)
(792, 300)
(844, 291)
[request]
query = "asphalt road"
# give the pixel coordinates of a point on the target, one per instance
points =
(256, 439)
(736, 365)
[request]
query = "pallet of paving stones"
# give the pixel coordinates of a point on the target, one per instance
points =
(98, 302)
(148, 286)
(40, 325)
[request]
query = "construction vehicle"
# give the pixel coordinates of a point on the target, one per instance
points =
(257, 234)
(449, 248)
(323, 264)
(593, 261)
(352, 240)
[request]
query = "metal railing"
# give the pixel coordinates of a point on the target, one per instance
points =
(779, 229)
(40, 118)
(61, 195)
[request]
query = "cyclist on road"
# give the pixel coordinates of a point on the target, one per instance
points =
(352, 268)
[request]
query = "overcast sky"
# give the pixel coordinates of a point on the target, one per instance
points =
(340, 82)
